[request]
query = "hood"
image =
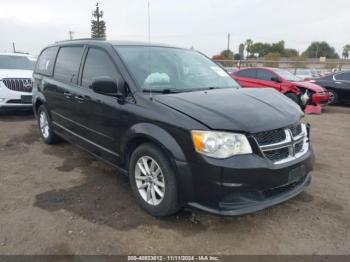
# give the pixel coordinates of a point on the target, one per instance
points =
(15, 73)
(246, 110)
(310, 86)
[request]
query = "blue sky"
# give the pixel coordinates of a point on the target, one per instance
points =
(203, 24)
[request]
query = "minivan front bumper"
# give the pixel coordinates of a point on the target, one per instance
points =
(242, 184)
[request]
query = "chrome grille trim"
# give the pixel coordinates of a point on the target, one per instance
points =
(19, 84)
(291, 142)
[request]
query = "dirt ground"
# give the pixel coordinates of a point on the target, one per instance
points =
(60, 200)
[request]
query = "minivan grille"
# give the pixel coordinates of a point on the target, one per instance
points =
(284, 144)
(19, 84)
(270, 137)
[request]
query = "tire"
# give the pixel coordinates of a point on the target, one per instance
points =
(146, 185)
(295, 99)
(334, 98)
(45, 127)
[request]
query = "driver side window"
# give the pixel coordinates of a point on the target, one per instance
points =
(265, 75)
(97, 64)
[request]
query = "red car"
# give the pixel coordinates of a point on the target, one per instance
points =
(302, 92)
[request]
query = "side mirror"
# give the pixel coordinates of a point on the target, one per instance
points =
(106, 85)
(275, 79)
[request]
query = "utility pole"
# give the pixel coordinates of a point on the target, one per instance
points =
(14, 47)
(228, 41)
(71, 33)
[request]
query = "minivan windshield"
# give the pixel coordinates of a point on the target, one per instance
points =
(161, 69)
(17, 62)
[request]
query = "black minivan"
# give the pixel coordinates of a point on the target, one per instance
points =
(176, 123)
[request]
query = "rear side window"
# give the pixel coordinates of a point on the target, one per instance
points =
(46, 61)
(265, 75)
(67, 64)
(248, 73)
(343, 76)
(98, 64)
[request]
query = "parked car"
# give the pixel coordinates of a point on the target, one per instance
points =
(178, 125)
(16, 81)
(306, 74)
(338, 86)
(301, 92)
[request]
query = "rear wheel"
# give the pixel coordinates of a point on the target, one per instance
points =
(45, 126)
(153, 181)
(333, 97)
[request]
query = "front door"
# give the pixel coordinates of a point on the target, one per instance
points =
(99, 115)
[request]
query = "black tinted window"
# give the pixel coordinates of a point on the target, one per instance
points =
(46, 61)
(249, 73)
(343, 76)
(67, 64)
(265, 75)
(97, 64)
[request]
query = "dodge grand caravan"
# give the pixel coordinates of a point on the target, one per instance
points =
(178, 125)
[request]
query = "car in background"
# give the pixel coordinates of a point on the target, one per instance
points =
(16, 81)
(231, 70)
(338, 86)
(306, 74)
(301, 92)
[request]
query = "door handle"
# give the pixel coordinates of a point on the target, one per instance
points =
(68, 94)
(80, 99)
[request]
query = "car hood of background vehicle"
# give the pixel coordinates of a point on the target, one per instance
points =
(15, 73)
(310, 86)
(246, 110)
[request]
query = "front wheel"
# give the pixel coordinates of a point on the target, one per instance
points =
(333, 97)
(153, 181)
(295, 99)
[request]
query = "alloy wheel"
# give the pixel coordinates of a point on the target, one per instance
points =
(44, 124)
(149, 180)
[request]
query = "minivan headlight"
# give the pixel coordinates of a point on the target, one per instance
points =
(220, 144)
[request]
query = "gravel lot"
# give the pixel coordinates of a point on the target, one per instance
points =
(60, 200)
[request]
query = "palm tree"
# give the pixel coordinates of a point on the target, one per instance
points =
(248, 44)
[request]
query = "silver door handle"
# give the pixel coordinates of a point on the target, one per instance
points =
(80, 99)
(68, 94)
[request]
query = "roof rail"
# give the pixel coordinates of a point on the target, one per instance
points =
(78, 39)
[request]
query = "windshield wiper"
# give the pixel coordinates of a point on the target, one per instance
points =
(163, 91)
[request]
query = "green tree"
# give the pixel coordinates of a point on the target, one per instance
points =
(237, 57)
(227, 54)
(346, 52)
(290, 52)
(98, 26)
(277, 47)
(272, 59)
(248, 44)
(320, 49)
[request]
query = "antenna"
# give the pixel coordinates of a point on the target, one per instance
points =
(149, 43)
(149, 22)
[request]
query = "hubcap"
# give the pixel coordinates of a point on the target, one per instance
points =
(44, 124)
(331, 96)
(150, 180)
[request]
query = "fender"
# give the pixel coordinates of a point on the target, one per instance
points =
(153, 133)
(290, 88)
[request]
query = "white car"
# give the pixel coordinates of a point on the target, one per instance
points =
(16, 81)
